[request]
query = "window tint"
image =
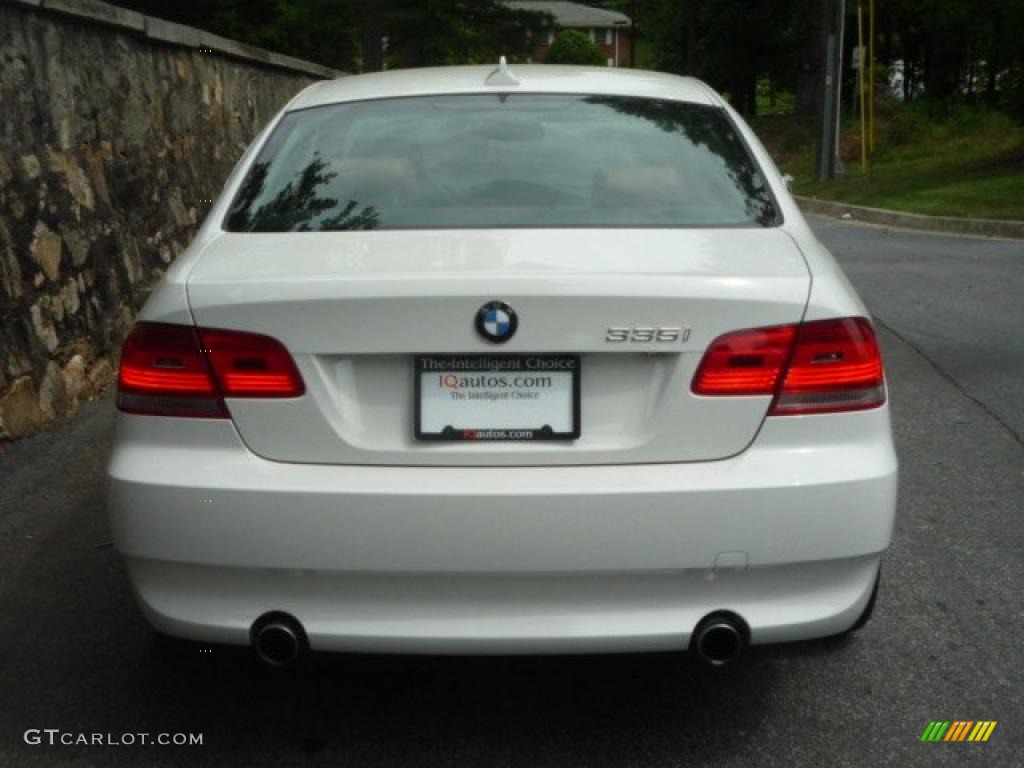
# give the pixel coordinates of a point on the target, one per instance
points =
(502, 160)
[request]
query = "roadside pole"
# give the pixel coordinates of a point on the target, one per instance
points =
(619, 29)
(871, 78)
(860, 90)
(839, 169)
(832, 14)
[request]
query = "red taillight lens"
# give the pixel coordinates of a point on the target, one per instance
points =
(164, 373)
(178, 370)
(823, 366)
(249, 365)
(745, 362)
(836, 366)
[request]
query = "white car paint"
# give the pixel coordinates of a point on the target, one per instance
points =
(669, 507)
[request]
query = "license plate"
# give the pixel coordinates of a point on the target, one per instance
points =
(497, 397)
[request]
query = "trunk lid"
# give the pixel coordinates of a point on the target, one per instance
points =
(356, 308)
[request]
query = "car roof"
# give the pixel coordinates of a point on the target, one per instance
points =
(572, 14)
(531, 78)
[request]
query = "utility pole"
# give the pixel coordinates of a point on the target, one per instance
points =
(831, 20)
(871, 77)
(860, 90)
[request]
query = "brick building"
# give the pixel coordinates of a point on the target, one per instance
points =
(609, 30)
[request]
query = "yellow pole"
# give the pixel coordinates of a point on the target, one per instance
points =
(871, 78)
(860, 86)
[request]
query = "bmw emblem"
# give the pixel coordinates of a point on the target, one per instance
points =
(496, 322)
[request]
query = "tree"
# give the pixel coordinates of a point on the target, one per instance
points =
(350, 34)
(324, 31)
(810, 36)
(951, 50)
(955, 51)
(433, 32)
(729, 43)
(573, 47)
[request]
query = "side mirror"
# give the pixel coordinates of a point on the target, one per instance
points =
(788, 178)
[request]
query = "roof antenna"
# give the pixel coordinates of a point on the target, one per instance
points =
(502, 75)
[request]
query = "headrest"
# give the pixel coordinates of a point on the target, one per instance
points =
(374, 180)
(636, 186)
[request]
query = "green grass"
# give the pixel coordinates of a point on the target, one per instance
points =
(964, 162)
(783, 105)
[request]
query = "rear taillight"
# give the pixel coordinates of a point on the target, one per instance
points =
(178, 370)
(164, 373)
(250, 365)
(823, 366)
(745, 362)
(836, 366)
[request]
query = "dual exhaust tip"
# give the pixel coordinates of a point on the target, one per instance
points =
(719, 639)
(279, 640)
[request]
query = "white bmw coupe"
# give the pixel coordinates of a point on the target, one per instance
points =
(477, 360)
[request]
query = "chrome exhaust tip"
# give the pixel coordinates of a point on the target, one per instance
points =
(718, 640)
(278, 640)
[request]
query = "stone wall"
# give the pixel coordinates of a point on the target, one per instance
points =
(117, 130)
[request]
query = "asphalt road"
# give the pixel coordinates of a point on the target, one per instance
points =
(945, 642)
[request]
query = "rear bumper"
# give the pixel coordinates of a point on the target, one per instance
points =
(543, 613)
(504, 559)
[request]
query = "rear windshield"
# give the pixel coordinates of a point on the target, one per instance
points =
(502, 161)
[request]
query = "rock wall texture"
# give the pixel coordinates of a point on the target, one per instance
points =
(116, 132)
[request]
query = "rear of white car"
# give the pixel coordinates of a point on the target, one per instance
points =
(544, 362)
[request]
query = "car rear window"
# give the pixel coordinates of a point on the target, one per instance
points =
(502, 161)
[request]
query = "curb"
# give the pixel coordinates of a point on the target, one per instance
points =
(1013, 230)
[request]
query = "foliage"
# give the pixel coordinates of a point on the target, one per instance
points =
(434, 32)
(952, 51)
(573, 47)
(955, 50)
(339, 33)
(729, 43)
(960, 161)
(324, 31)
